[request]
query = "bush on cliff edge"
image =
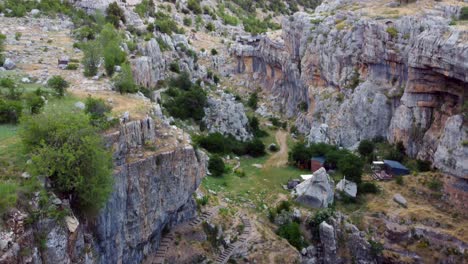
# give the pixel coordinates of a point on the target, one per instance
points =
(67, 149)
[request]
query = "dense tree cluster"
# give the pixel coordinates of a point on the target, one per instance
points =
(342, 159)
(65, 148)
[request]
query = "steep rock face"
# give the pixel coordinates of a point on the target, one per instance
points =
(275, 70)
(361, 78)
(152, 191)
(149, 68)
(227, 117)
(451, 154)
(328, 240)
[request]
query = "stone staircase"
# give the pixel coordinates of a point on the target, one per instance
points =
(163, 247)
(203, 217)
(160, 255)
(226, 254)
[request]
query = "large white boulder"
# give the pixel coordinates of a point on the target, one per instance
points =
(316, 192)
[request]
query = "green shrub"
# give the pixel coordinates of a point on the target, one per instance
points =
(435, 184)
(163, 46)
(351, 166)
(368, 187)
(283, 206)
(113, 56)
(65, 148)
(255, 127)
(91, 58)
(145, 8)
(320, 216)
(399, 180)
(188, 104)
(97, 110)
(34, 102)
(8, 196)
(188, 100)
(18, 36)
(165, 24)
(174, 67)
(7, 83)
(464, 13)
(72, 67)
(210, 27)
(255, 148)
(58, 84)
(216, 166)
(194, 5)
(396, 152)
(366, 148)
(392, 31)
(214, 52)
(85, 32)
(423, 165)
(292, 233)
(10, 111)
(187, 21)
(217, 143)
(376, 248)
(114, 14)
(124, 82)
(202, 201)
(253, 101)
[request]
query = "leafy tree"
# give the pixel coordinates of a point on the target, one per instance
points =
(214, 52)
(299, 153)
(255, 148)
(58, 84)
(97, 110)
(215, 143)
(114, 14)
(188, 104)
(253, 101)
(351, 166)
(66, 149)
(34, 102)
(91, 59)
(366, 148)
(10, 111)
(216, 166)
(124, 82)
(292, 232)
(113, 56)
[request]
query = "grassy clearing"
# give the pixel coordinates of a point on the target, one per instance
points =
(259, 186)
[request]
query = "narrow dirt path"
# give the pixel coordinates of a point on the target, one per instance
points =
(280, 158)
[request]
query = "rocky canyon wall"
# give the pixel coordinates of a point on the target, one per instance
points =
(155, 177)
(404, 79)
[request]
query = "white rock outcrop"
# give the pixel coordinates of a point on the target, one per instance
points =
(316, 192)
(226, 116)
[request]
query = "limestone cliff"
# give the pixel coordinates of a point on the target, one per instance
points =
(400, 78)
(156, 173)
(226, 116)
